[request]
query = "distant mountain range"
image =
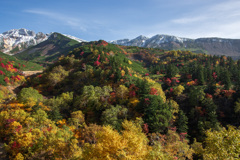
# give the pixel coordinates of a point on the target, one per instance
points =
(213, 46)
(22, 42)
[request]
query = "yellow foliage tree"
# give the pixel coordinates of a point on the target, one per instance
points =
(36, 137)
(175, 108)
(110, 145)
(122, 93)
(19, 157)
(160, 92)
(77, 118)
(131, 144)
(222, 144)
(178, 90)
(133, 102)
(137, 142)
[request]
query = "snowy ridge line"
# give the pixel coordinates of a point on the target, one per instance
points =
(74, 38)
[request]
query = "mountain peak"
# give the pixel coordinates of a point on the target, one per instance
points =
(19, 32)
(142, 37)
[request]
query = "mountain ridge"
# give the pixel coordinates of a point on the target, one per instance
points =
(18, 40)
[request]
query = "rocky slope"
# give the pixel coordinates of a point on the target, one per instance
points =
(213, 46)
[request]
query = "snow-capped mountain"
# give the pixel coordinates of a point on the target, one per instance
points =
(16, 40)
(155, 41)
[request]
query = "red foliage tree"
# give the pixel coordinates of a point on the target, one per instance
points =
(153, 91)
(97, 63)
(2, 65)
(214, 75)
(145, 128)
(209, 96)
(2, 73)
(168, 81)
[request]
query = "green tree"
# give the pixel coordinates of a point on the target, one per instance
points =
(57, 75)
(202, 118)
(182, 122)
(29, 95)
(237, 110)
(226, 79)
(237, 106)
(172, 70)
(157, 114)
(211, 115)
(144, 87)
(196, 95)
(114, 116)
(93, 98)
(60, 106)
(200, 76)
(41, 117)
(93, 101)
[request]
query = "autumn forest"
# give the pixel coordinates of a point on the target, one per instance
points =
(106, 101)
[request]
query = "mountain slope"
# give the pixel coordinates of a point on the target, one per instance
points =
(213, 46)
(49, 50)
(11, 69)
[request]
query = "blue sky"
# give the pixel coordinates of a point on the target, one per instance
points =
(118, 19)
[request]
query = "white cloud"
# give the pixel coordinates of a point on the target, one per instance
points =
(63, 19)
(218, 20)
(187, 20)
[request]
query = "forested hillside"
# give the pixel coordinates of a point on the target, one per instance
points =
(11, 69)
(103, 101)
